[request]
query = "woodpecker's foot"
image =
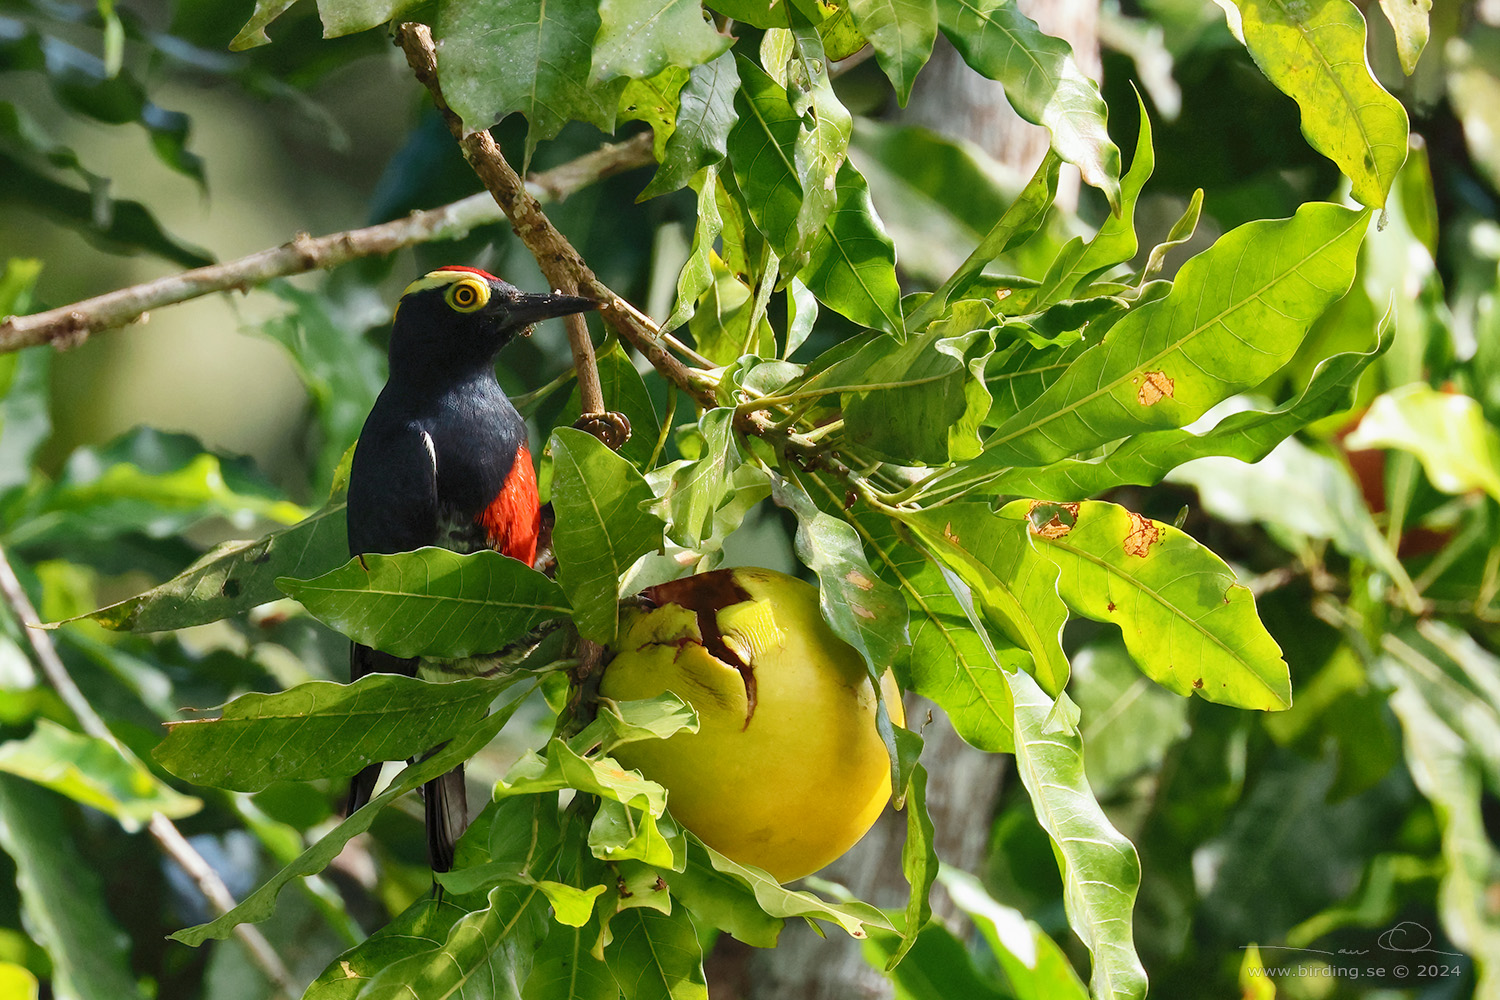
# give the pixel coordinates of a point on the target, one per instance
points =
(611, 428)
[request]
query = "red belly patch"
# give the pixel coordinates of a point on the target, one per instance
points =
(514, 517)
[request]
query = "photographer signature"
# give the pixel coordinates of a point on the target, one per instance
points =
(1408, 937)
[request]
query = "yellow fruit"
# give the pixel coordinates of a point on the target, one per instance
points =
(786, 771)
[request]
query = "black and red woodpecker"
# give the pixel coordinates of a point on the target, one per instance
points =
(442, 460)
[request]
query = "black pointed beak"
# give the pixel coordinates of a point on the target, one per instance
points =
(532, 307)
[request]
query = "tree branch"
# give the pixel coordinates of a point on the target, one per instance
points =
(560, 263)
(68, 326)
(167, 836)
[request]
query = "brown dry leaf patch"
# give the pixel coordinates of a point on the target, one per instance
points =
(1143, 534)
(1056, 527)
(1155, 386)
(858, 579)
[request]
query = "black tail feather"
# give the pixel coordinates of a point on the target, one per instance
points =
(447, 817)
(362, 786)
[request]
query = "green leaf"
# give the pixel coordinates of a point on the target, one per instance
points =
(345, 17)
(234, 577)
(700, 136)
(620, 722)
(115, 224)
(822, 143)
(565, 970)
(491, 945)
(1100, 870)
(562, 767)
(25, 386)
(1041, 80)
(431, 602)
(1315, 54)
(723, 901)
(1186, 621)
(321, 729)
(1020, 221)
(852, 263)
(1034, 966)
(722, 320)
(761, 148)
(62, 897)
(261, 903)
(861, 607)
(697, 271)
(947, 661)
(656, 955)
(1458, 448)
(83, 82)
(1409, 22)
(95, 773)
(154, 483)
(779, 901)
(1440, 720)
(786, 151)
(1128, 722)
(902, 33)
(602, 527)
(423, 925)
(640, 38)
(1245, 434)
(921, 401)
(919, 863)
(623, 833)
(1235, 314)
(698, 488)
(342, 371)
(254, 31)
(499, 56)
(1015, 583)
(1115, 242)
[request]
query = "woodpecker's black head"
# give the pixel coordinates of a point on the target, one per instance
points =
(456, 319)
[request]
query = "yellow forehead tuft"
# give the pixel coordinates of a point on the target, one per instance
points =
(437, 279)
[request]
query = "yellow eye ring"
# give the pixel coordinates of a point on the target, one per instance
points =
(468, 295)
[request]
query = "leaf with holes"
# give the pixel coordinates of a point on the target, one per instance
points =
(1236, 313)
(1016, 586)
(1187, 623)
(234, 577)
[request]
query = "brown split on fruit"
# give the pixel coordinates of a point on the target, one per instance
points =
(706, 595)
(795, 788)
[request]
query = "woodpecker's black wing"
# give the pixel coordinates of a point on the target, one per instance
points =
(393, 507)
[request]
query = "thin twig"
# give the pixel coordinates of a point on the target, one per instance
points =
(559, 261)
(67, 326)
(167, 836)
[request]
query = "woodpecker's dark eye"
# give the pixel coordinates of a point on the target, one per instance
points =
(468, 295)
